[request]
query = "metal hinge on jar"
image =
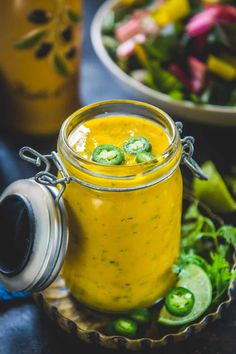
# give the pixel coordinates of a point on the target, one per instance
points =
(46, 178)
(187, 154)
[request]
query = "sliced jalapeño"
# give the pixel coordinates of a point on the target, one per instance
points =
(179, 301)
(140, 315)
(123, 327)
(144, 156)
(137, 144)
(108, 154)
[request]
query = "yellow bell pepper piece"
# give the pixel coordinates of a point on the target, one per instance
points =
(171, 11)
(221, 68)
(231, 60)
(211, 2)
(141, 54)
(127, 2)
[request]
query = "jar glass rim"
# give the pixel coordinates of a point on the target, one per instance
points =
(130, 170)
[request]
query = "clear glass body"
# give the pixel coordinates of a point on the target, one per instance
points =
(125, 226)
(40, 52)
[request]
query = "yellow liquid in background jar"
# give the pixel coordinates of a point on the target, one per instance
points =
(122, 244)
(39, 60)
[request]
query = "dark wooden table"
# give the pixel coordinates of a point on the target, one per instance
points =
(24, 329)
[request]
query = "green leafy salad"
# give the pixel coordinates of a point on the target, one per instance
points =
(185, 49)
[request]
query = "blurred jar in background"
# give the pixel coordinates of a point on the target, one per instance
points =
(39, 60)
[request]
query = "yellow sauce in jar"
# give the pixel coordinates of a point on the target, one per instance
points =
(122, 244)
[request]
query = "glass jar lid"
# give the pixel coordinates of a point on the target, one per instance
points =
(34, 235)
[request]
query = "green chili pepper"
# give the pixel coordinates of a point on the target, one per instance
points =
(137, 144)
(141, 315)
(123, 327)
(144, 157)
(179, 301)
(108, 154)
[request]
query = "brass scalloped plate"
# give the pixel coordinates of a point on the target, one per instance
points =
(87, 324)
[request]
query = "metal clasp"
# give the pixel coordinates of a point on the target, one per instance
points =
(45, 177)
(187, 154)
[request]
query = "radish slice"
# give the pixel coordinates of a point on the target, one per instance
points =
(198, 72)
(126, 49)
(202, 22)
(206, 19)
(128, 30)
(227, 15)
(176, 70)
(200, 43)
(132, 27)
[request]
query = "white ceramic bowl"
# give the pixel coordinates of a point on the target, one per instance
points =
(208, 114)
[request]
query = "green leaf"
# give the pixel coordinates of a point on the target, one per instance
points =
(188, 228)
(162, 78)
(189, 258)
(30, 40)
(199, 238)
(196, 227)
(206, 95)
(195, 6)
(123, 64)
(108, 25)
(176, 95)
(190, 239)
(220, 274)
(161, 48)
(230, 30)
(219, 36)
(209, 226)
(60, 66)
(228, 233)
(192, 212)
(73, 16)
(213, 192)
(110, 44)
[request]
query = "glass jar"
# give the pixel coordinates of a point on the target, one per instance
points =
(40, 51)
(124, 221)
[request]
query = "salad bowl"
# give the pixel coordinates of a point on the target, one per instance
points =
(200, 113)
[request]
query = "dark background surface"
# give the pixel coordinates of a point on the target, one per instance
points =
(24, 329)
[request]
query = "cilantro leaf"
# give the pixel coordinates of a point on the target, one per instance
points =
(197, 231)
(220, 275)
(228, 233)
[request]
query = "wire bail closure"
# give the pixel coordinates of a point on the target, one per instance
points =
(187, 154)
(47, 178)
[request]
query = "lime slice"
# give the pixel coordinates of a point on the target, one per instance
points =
(199, 284)
(214, 192)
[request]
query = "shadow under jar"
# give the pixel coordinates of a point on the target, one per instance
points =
(40, 54)
(125, 223)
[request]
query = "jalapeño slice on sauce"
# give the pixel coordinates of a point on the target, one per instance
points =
(179, 301)
(108, 154)
(137, 144)
(144, 157)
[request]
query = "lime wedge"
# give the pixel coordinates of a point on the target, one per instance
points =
(214, 192)
(197, 281)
